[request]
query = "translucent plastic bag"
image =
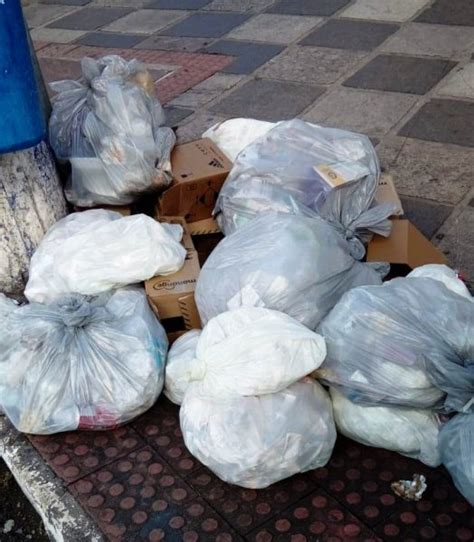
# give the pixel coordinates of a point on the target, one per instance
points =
(456, 443)
(291, 263)
(297, 167)
(81, 363)
(256, 441)
(410, 432)
(111, 129)
(408, 343)
(93, 251)
(247, 351)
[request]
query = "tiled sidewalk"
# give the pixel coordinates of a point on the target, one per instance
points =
(401, 71)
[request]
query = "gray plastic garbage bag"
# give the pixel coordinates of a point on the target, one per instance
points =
(409, 342)
(111, 130)
(291, 263)
(456, 443)
(296, 167)
(81, 363)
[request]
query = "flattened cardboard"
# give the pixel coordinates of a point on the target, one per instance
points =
(387, 193)
(406, 245)
(204, 227)
(199, 171)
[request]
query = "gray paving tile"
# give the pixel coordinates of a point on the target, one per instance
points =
(109, 39)
(170, 43)
(308, 7)
(175, 115)
(346, 34)
(197, 125)
(428, 216)
(384, 10)
(361, 111)
(37, 15)
(177, 4)
(145, 21)
(237, 5)
(249, 56)
(460, 84)
(315, 65)
(268, 100)
(206, 25)
(55, 35)
(445, 121)
(66, 2)
(90, 18)
(458, 12)
(414, 75)
(207, 91)
(434, 171)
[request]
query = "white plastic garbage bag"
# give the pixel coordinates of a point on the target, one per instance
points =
(444, 274)
(410, 432)
(256, 441)
(110, 126)
(409, 342)
(298, 167)
(93, 251)
(81, 363)
(247, 351)
(456, 443)
(291, 263)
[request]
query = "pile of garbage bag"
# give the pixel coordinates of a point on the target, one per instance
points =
(110, 127)
(246, 414)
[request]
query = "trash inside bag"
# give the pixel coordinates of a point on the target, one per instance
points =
(111, 128)
(456, 445)
(302, 168)
(291, 263)
(410, 432)
(247, 351)
(93, 251)
(81, 363)
(256, 441)
(407, 343)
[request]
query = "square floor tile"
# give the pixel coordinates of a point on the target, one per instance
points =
(177, 4)
(245, 509)
(307, 7)
(361, 111)
(460, 12)
(428, 216)
(145, 21)
(317, 65)
(440, 40)
(274, 28)
(434, 171)
(445, 121)
(90, 18)
(109, 39)
(175, 115)
(460, 84)
(355, 35)
(66, 2)
(206, 25)
(37, 15)
(169, 43)
(250, 56)
(268, 100)
(197, 125)
(207, 91)
(237, 5)
(55, 35)
(414, 75)
(384, 10)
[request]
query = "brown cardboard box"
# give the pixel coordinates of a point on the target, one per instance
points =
(204, 227)
(406, 246)
(387, 193)
(199, 171)
(172, 296)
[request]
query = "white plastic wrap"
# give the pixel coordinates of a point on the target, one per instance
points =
(81, 363)
(256, 441)
(110, 126)
(291, 263)
(444, 274)
(410, 432)
(247, 351)
(97, 250)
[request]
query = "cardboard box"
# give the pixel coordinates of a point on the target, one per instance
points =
(387, 193)
(204, 227)
(405, 247)
(172, 296)
(199, 171)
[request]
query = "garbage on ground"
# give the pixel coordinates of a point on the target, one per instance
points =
(456, 444)
(410, 490)
(93, 251)
(81, 363)
(291, 263)
(410, 432)
(246, 414)
(110, 127)
(407, 343)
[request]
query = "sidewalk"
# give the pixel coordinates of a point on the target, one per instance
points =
(402, 72)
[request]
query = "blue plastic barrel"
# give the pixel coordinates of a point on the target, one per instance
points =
(22, 122)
